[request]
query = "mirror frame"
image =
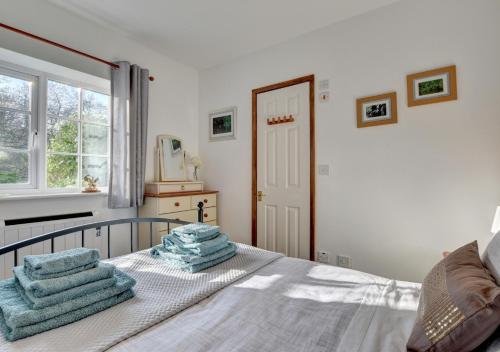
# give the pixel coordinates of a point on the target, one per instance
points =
(159, 157)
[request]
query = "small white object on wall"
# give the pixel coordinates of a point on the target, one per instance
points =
(496, 222)
(324, 97)
(324, 84)
(324, 170)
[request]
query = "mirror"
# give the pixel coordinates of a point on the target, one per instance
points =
(171, 164)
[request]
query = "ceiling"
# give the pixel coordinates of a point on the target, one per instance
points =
(206, 33)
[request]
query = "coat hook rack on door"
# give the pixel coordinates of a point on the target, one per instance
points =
(280, 119)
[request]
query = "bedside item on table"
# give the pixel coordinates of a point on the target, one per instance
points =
(170, 163)
(196, 162)
(91, 184)
(491, 256)
(496, 222)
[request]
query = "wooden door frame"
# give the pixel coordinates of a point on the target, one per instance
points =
(312, 161)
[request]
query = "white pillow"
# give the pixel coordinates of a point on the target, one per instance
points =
(491, 257)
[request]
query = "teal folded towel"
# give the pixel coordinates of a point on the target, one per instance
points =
(197, 263)
(18, 320)
(67, 295)
(175, 245)
(42, 288)
(196, 232)
(49, 266)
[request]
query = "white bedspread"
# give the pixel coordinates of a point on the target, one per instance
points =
(292, 305)
(161, 292)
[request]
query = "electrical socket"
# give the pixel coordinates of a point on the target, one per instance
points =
(344, 261)
(323, 257)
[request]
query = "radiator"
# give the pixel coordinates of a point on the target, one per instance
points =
(13, 230)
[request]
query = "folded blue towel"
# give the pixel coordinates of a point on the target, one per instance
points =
(67, 295)
(18, 320)
(42, 288)
(188, 239)
(197, 263)
(49, 266)
(196, 232)
(175, 245)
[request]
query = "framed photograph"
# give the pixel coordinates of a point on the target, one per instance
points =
(377, 110)
(176, 145)
(434, 86)
(222, 124)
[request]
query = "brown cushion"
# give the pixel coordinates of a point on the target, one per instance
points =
(459, 305)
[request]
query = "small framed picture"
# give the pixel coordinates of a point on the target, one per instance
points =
(222, 124)
(377, 110)
(176, 145)
(434, 86)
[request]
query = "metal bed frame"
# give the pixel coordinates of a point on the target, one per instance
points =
(14, 247)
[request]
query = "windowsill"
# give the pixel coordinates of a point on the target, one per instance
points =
(30, 196)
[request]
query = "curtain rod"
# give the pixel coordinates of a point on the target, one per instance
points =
(64, 47)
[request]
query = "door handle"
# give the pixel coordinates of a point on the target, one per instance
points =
(260, 194)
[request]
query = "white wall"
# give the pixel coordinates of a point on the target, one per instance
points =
(173, 105)
(399, 194)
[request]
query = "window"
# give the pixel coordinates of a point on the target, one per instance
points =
(72, 140)
(17, 116)
(77, 135)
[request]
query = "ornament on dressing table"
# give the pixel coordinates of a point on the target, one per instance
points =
(196, 163)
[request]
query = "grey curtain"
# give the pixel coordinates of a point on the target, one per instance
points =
(129, 124)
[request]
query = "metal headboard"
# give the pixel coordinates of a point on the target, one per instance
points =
(14, 247)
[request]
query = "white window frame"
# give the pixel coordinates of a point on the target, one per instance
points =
(39, 153)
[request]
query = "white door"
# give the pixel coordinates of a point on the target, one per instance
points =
(283, 171)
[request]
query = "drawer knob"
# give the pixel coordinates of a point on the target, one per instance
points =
(205, 200)
(205, 215)
(176, 204)
(177, 219)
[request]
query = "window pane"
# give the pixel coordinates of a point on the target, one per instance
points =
(62, 135)
(95, 107)
(94, 139)
(63, 100)
(14, 167)
(15, 93)
(96, 167)
(14, 129)
(62, 171)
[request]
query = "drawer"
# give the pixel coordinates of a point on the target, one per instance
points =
(209, 214)
(173, 204)
(189, 216)
(209, 200)
(213, 223)
(157, 188)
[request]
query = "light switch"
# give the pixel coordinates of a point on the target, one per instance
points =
(324, 84)
(324, 170)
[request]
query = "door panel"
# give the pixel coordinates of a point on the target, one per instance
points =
(283, 159)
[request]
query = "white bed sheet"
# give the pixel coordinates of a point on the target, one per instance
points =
(292, 305)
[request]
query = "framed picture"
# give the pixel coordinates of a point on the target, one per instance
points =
(432, 86)
(176, 145)
(222, 124)
(377, 110)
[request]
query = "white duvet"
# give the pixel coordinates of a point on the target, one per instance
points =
(253, 302)
(292, 305)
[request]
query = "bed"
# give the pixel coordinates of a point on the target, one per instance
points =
(256, 301)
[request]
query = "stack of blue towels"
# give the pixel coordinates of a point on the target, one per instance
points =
(195, 247)
(56, 289)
